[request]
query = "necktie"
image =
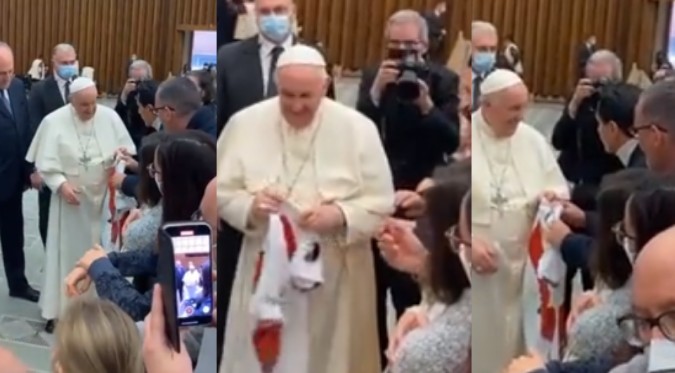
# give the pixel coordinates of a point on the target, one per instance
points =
(5, 100)
(66, 91)
(475, 97)
(271, 84)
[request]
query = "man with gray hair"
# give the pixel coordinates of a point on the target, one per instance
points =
(415, 104)
(583, 158)
(178, 105)
(127, 107)
(655, 126)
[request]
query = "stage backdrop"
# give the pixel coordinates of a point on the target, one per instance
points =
(105, 32)
(550, 33)
(352, 30)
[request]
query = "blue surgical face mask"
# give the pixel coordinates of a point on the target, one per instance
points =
(67, 72)
(661, 354)
(482, 62)
(276, 27)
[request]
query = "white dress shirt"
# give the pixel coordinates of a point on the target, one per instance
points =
(266, 48)
(626, 150)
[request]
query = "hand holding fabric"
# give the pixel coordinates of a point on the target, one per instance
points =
(69, 193)
(555, 232)
(400, 248)
(266, 202)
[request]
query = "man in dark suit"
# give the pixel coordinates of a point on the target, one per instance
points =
(615, 113)
(484, 48)
(417, 135)
(45, 97)
(14, 173)
(245, 77)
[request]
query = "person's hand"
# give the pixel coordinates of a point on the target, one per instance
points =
(424, 185)
(555, 232)
(77, 282)
(117, 179)
(413, 318)
(36, 180)
(573, 215)
(583, 90)
(125, 156)
(424, 101)
(129, 87)
(134, 215)
(91, 256)
(69, 193)
(158, 355)
(526, 364)
(410, 202)
(265, 202)
(483, 257)
(324, 218)
(584, 302)
(400, 247)
(10, 363)
(387, 74)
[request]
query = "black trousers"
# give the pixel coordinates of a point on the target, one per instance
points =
(44, 199)
(12, 241)
(229, 247)
(405, 292)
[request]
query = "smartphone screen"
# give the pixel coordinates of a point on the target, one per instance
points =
(193, 283)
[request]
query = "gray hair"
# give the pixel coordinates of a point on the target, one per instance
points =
(63, 47)
(657, 104)
(142, 64)
(482, 28)
(181, 94)
(607, 56)
(407, 16)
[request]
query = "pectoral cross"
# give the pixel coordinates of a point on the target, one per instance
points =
(84, 160)
(498, 199)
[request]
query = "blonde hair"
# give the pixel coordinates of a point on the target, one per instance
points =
(95, 335)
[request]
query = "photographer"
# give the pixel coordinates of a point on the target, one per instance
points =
(127, 107)
(583, 159)
(414, 103)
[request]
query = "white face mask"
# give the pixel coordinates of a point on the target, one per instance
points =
(629, 249)
(661, 353)
(464, 253)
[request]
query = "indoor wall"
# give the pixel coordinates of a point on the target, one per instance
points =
(105, 32)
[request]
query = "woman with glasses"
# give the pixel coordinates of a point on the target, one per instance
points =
(182, 168)
(435, 336)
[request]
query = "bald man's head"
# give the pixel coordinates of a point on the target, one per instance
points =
(654, 277)
(6, 65)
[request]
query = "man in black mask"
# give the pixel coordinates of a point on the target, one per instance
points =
(414, 103)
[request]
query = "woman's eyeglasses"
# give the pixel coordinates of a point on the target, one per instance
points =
(620, 234)
(456, 242)
(153, 171)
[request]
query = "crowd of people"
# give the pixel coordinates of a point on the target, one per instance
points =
(570, 262)
(107, 180)
(329, 209)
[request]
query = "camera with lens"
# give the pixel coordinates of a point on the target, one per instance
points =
(412, 69)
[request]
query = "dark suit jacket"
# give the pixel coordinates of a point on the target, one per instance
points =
(44, 98)
(240, 80)
(15, 137)
(415, 144)
(637, 159)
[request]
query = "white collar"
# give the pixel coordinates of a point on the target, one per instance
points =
(266, 46)
(626, 151)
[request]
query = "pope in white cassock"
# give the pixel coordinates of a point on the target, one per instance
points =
(326, 160)
(74, 150)
(512, 167)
